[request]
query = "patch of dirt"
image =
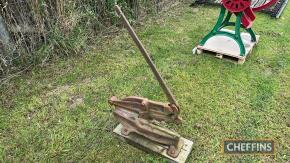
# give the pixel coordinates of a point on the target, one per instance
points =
(268, 72)
(197, 126)
(58, 90)
(75, 101)
(195, 10)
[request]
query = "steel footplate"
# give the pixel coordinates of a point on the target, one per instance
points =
(151, 146)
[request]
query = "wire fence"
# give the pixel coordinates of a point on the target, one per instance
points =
(34, 31)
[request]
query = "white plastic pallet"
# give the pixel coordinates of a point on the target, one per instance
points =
(149, 146)
(226, 47)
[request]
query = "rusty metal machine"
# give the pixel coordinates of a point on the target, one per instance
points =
(138, 116)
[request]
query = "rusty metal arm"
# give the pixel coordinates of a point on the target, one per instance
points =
(145, 54)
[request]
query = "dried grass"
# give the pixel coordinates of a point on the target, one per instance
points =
(37, 30)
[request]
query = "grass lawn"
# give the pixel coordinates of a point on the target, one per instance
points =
(59, 112)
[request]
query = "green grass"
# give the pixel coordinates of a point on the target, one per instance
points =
(59, 112)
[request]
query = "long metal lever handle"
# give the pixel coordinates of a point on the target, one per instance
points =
(145, 54)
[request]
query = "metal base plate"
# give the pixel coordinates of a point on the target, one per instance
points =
(227, 46)
(150, 146)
